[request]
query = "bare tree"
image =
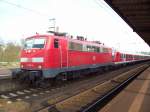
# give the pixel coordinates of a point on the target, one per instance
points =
(1, 49)
(11, 52)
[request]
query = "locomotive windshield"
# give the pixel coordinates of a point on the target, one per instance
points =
(34, 43)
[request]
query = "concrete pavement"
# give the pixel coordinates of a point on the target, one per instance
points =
(134, 98)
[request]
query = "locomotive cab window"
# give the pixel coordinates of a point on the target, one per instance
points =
(34, 43)
(39, 43)
(56, 43)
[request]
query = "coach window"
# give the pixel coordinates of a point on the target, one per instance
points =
(56, 43)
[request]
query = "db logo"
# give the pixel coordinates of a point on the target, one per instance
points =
(94, 58)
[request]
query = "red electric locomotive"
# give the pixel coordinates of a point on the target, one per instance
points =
(49, 56)
(52, 56)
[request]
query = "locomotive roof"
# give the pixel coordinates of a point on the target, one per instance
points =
(70, 39)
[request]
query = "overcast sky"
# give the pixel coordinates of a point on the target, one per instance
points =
(93, 19)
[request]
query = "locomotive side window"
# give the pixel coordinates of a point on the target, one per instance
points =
(83, 47)
(89, 48)
(96, 49)
(56, 43)
(75, 46)
(101, 49)
(78, 47)
(71, 45)
(93, 49)
(105, 50)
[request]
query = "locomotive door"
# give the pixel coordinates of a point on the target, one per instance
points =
(63, 53)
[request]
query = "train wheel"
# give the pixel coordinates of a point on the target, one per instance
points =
(61, 78)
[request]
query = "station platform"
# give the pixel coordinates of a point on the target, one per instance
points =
(134, 98)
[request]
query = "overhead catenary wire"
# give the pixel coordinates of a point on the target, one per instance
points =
(29, 9)
(107, 8)
(24, 8)
(102, 4)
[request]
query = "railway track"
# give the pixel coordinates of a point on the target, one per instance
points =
(92, 99)
(6, 82)
(8, 85)
(5, 75)
(39, 98)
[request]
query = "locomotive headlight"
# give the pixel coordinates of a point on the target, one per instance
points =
(39, 67)
(22, 66)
